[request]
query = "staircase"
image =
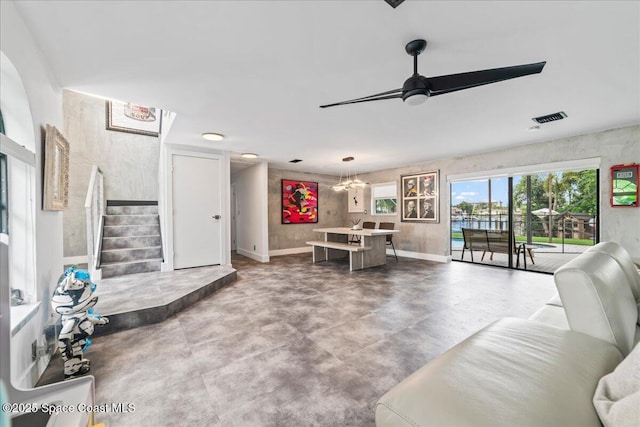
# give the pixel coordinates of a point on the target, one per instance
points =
(131, 240)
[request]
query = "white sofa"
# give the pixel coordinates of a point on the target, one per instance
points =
(541, 371)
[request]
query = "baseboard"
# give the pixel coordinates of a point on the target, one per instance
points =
(254, 256)
(72, 260)
(420, 255)
(291, 251)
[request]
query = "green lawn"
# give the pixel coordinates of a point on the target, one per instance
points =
(541, 239)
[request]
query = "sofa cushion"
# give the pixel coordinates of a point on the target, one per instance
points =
(597, 298)
(555, 300)
(514, 372)
(551, 315)
(617, 398)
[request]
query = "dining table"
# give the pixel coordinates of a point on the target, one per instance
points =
(368, 251)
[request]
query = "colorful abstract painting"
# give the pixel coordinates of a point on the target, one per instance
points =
(299, 202)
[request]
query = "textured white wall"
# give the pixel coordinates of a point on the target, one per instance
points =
(614, 146)
(45, 100)
(250, 186)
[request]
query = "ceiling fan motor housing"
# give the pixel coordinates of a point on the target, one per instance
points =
(415, 85)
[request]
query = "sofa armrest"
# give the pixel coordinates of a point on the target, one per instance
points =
(514, 372)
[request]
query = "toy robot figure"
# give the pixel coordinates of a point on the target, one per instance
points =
(73, 299)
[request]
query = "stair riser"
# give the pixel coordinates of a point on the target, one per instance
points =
(130, 230)
(123, 269)
(125, 255)
(132, 210)
(130, 242)
(131, 220)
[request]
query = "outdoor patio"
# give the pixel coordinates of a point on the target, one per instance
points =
(547, 259)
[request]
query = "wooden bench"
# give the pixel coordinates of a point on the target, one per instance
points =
(327, 250)
(493, 241)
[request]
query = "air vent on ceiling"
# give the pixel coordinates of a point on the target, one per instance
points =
(550, 117)
(295, 161)
(394, 3)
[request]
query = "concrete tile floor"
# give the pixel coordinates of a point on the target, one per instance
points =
(292, 343)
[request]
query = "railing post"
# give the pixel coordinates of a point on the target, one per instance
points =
(95, 209)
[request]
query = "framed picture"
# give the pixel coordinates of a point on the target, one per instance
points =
(299, 202)
(56, 171)
(420, 200)
(356, 200)
(131, 118)
(624, 186)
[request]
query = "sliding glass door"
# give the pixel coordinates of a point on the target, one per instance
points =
(533, 221)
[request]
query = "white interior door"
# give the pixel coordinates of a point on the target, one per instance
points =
(197, 211)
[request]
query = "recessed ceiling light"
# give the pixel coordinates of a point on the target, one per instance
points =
(211, 136)
(249, 155)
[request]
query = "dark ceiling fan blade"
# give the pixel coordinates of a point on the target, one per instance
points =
(454, 82)
(377, 96)
(355, 101)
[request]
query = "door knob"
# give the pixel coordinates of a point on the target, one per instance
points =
(216, 217)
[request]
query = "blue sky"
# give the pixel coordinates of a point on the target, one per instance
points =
(477, 191)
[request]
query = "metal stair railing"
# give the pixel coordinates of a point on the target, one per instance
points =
(95, 210)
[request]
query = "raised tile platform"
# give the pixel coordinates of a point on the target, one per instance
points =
(146, 298)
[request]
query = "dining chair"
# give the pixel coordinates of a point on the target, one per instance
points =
(389, 226)
(365, 224)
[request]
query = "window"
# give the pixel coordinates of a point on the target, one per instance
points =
(17, 191)
(4, 199)
(551, 210)
(384, 198)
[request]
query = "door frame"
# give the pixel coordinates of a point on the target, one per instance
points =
(167, 207)
(533, 169)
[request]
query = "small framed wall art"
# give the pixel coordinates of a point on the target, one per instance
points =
(624, 186)
(299, 202)
(356, 200)
(56, 170)
(420, 199)
(131, 118)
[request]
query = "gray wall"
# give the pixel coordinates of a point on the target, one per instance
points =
(128, 161)
(332, 210)
(615, 146)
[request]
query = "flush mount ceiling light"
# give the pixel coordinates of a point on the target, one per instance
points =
(249, 155)
(212, 136)
(348, 183)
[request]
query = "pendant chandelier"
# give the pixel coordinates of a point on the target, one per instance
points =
(349, 182)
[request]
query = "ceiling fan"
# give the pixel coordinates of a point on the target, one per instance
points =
(416, 89)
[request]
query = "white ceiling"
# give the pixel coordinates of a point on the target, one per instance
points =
(257, 71)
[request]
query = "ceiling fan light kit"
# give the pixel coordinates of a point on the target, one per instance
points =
(417, 88)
